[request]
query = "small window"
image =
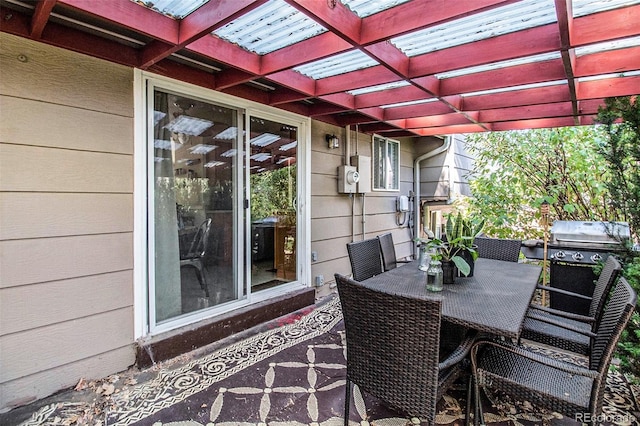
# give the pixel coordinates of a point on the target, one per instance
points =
(386, 164)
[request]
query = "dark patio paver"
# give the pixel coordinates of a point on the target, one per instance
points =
(288, 372)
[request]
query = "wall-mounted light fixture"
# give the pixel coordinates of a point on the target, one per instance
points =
(333, 141)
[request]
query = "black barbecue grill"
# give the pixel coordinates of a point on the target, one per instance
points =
(574, 247)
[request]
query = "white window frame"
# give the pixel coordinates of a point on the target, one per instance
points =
(395, 168)
(142, 314)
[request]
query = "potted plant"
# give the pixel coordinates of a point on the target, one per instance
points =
(458, 252)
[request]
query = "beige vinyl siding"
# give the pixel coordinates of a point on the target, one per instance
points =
(336, 218)
(66, 219)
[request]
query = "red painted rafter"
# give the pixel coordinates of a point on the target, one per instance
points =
(362, 78)
(523, 43)
(619, 86)
(613, 61)
(445, 130)
(603, 26)
(533, 124)
(439, 120)
(318, 47)
(505, 77)
(200, 23)
(390, 96)
(41, 17)
(540, 95)
(62, 36)
(564, 13)
(130, 15)
(418, 14)
(226, 53)
(561, 109)
(333, 16)
(431, 108)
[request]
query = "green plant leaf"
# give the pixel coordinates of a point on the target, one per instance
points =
(462, 265)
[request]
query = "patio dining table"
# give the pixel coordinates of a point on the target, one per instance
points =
(494, 300)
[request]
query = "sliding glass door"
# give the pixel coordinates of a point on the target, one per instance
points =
(223, 206)
(194, 186)
(273, 188)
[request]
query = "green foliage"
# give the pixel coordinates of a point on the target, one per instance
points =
(516, 171)
(619, 145)
(460, 233)
(273, 193)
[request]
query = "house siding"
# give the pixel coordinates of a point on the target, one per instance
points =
(66, 219)
(336, 219)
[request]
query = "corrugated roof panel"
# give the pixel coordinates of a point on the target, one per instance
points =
(514, 88)
(409, 103)
(270, 27)
(176, 9)
(364, 8)
(378, 88)
(587, 7)
(336, 65)
(499, 65)
(608, 45)
(501, 20)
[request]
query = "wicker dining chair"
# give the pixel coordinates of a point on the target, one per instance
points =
(365, 258)
(392, 349)
(560, 386)
(194, 257)
(566, 330)
(498, 248)
(388, 251)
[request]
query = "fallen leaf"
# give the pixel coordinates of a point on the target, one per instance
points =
(82, 384)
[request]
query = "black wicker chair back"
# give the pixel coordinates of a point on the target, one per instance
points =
(498, 248)
(608, 276)
(566, 330)
(392, 347)
(567, 388)
(388, 251)
(613, 321)
(365, 258)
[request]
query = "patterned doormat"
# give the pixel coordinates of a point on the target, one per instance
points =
(293, 375)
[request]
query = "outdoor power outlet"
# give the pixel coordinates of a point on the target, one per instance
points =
(314, 256)
(319, 280)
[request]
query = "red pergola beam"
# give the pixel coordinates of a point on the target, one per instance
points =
(41, 17)
(505, 77)
(19, 24)
(540, 95)
(336, 17)
(390, 96)
(613, 61)
(448, 130)
(403, 18)
(608, 87)
(522, 43)
(226, 53)
(561, 109)
(431, 108)
(130, 15)
(608, 25)
(318, 47)
(366, 77)
(534, 124)
(438, 120)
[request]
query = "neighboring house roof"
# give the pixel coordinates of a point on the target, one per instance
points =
(394, 67)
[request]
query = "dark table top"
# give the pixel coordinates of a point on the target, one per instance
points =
(494, 300)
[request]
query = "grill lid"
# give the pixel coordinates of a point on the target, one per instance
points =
(592, 234)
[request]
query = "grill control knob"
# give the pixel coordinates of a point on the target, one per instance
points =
(577, 256)
(560, 254)
(596, 258)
